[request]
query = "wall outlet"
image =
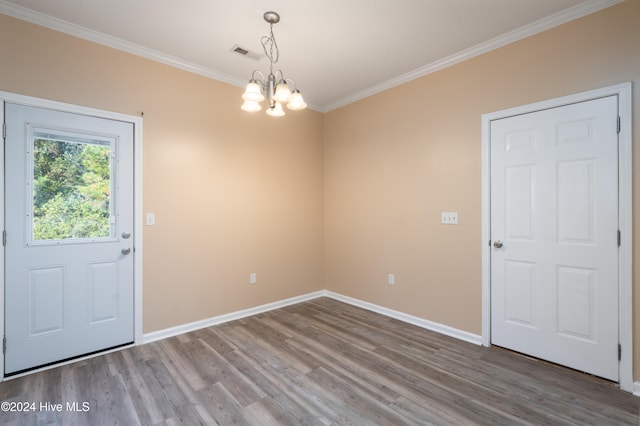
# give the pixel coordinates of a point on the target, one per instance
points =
(392, 279)
(252, 278)
(449, 218)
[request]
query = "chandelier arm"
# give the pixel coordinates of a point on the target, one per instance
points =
(289, 80)
(261, 80)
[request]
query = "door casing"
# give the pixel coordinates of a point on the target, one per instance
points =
(138, 222)
(625, 262)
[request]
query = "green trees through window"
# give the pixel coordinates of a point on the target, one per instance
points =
(71, 190)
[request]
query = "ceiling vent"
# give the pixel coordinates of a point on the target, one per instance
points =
(245, 52)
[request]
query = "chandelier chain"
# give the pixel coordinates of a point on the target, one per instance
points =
(269, 45)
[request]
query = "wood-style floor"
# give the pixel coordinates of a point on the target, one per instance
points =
(321, 362)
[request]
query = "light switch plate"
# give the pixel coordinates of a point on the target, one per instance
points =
(449, 218)
(151, 219)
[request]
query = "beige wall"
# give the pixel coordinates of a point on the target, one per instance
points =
(395, 160)
(233, 193)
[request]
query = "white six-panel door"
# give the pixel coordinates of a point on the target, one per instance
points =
(73, 294)
(554, 222)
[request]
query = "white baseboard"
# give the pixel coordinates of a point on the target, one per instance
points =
(420, 322)
(192, 326)
(636, 388)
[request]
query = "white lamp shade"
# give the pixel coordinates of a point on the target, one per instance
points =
(276, 110)
(296, 101)
(251, 106)
(282, 93)
(253, 92)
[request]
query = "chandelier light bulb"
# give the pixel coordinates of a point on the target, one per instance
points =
(276, 110)
(253, 92)
(296, 102)
(283, 93)
(251, 106)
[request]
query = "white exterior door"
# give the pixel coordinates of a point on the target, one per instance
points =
(554, 235)
(69, 235)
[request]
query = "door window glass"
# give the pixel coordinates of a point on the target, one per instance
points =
(72, 187)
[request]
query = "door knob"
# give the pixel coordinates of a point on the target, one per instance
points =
(126, 235)
(126, 250)
(497, 244)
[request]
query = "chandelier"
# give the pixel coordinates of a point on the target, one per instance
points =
(275, 88)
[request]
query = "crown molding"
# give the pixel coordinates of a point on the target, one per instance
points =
(583, 9)
(578, 11)
(79, 31)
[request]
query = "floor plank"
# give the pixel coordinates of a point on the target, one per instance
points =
(321, 362)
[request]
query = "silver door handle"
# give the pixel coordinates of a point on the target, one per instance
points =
(126, 250)
(497, 244)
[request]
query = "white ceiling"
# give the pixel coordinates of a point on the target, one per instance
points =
(337, 51)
